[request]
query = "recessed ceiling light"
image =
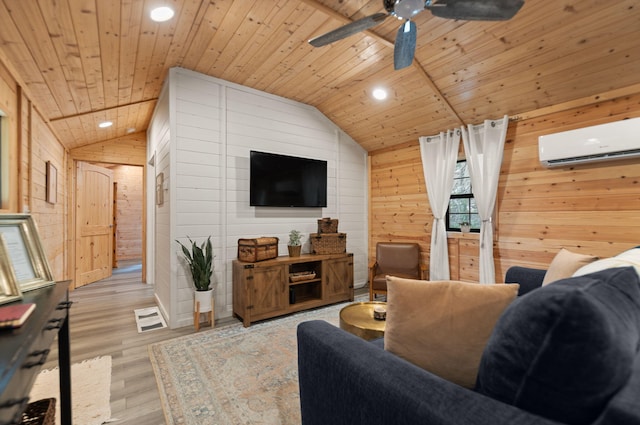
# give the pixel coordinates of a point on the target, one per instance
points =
(380, 94)
(105, 124)
(161, 14)
(131, 130)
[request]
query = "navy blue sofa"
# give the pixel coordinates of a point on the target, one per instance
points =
(346, 380)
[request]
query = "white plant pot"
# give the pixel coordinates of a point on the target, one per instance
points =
(205, 298)
(465, 229)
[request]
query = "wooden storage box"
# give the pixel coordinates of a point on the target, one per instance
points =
(257, 249)
(328, 243)
(328, 225)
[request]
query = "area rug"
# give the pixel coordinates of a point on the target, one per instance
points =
(90, 390)
(149, 319)
(234, 375)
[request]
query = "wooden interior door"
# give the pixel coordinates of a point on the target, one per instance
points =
(114, 232)
(94, 223)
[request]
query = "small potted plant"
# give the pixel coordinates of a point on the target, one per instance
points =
(200, 261)
(295, 243)
(465, 226)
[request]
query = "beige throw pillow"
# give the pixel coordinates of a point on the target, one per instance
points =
(565, 264)
(443, 326)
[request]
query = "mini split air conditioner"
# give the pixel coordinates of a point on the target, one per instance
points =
(616, 140)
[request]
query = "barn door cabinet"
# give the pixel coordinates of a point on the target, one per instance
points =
(285, 285)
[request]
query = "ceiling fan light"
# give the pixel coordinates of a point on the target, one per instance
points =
(407, 9)
(161, 14)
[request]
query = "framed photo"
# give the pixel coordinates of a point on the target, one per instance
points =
(160, 189)
(24, 252)
(9, 289)
(52, 183)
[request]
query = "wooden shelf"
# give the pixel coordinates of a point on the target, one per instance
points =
(301, 282)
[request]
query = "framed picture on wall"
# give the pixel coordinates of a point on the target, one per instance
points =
(24, 252)
(52, 183)
(9, 289)
(160, 189)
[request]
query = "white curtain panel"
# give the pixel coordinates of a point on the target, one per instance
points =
(439, 155)
(483, 147)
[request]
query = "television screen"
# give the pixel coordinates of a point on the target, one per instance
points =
(286, 181)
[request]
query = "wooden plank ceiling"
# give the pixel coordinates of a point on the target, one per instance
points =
(85, 61)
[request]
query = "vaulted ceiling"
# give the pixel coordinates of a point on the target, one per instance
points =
(84, 61)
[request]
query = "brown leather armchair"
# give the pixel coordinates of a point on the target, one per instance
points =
(401, 259)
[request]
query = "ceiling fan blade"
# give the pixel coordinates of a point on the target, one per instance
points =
(349, 29)
(473, 10)
(405, 45)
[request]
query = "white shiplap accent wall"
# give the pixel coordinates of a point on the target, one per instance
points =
(158, 216)
(198, 185)
(216, 124)
(352, 200)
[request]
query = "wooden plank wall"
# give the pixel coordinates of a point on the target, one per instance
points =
(50, 218)
(128, 150)
(32, 144)
(129, 201)
(10, 107)
(591, 209)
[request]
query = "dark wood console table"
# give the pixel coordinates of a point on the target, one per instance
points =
(24, 350)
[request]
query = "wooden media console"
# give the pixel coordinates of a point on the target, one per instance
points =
(278, 286)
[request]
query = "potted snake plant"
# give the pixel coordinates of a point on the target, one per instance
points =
(200, 261)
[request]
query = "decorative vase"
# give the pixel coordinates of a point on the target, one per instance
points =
(465, 228)
(205, 298)
(294, 250)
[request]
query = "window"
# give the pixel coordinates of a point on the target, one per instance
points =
(462, 205)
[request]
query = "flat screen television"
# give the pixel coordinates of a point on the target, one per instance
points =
(286, 181)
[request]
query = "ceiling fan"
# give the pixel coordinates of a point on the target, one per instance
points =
(405, 44)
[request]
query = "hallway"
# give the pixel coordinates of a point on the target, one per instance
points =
(102, 323)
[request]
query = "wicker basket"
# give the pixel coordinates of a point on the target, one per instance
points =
(41, 412)
(300, 276)
(328, 225)
(328, 243)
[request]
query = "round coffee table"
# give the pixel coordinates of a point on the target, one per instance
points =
(357, 318)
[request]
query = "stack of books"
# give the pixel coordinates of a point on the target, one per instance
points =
(14, 315)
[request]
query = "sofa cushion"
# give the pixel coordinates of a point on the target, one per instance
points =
(563, 350)
(443, 326)
(564, 264)
(528, 278)
(627, 258)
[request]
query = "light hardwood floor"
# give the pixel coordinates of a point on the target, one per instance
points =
(102, 323)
